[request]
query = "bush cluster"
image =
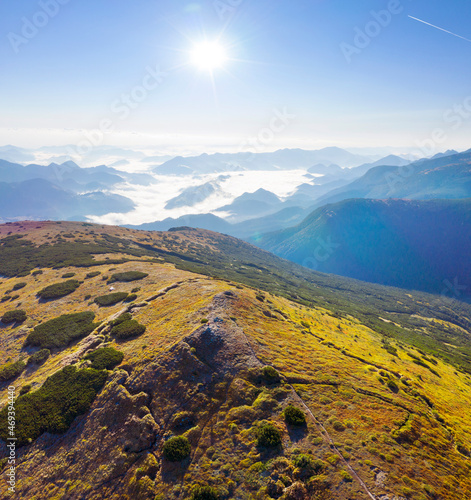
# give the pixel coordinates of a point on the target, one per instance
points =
(11, 370)
(63, 396)
(128, 276)
(105, 358)
(294, 416)
(204, 493)
(268, 436)
(68, 275)
(270, 375)
(59, 290)
(25, 389)
(176, 449)
(93, 274)
(127, 329)
(16, 316)
(59, 332)
(111, 299)
(40, 357)
(121, 319)
(308, 465)
(19, 256)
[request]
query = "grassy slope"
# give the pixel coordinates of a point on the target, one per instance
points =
(337, 363)
(439, 324)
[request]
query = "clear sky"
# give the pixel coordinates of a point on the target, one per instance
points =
(66, 67)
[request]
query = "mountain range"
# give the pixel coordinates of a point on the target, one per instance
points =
(279, 160)
(64, 191)
(440, 177)
(39, 199)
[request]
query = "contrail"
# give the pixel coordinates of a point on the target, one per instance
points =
(441, 29)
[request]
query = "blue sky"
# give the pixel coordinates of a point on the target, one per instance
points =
(70, 73)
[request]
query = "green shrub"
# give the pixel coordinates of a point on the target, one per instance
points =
(270, 375)
(204, 321)
(294, 416)
(346, 476)
(37, 272)
(176, 449)
(11, 370)
(392, 385)
(135, 290)
(93, 274)
(308, 465)
(409, 432)
(338, 426)
(131, 297)
(204, 493)
(128, 276)
(59, 290)
(389, 348)
(121, 319)
(128, 329)
(105, 358)
(111, 299)
(68, 275)
(16, 316)
(25, 389)
(63, 396)
(268, 436)
(19, 286)
(59, 332)
(40, 357)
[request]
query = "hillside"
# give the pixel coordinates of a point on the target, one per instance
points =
(241, 375)
(420, 245)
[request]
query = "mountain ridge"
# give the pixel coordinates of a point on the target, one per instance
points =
(219, 367)
(410, 244)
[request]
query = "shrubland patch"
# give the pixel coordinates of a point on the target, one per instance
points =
(105, 358)
(110, 299)
(268, 436)
(204, 493)
(63, 396)
(92, 274)
(59, 332)
(14, 316)
(294, 416)
(127, 276)
(128, 329)
(270, 375)
(11, 370)
(176, 449)
(39, 357)
(58, 290)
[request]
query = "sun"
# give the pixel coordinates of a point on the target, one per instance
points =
(208, 55)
